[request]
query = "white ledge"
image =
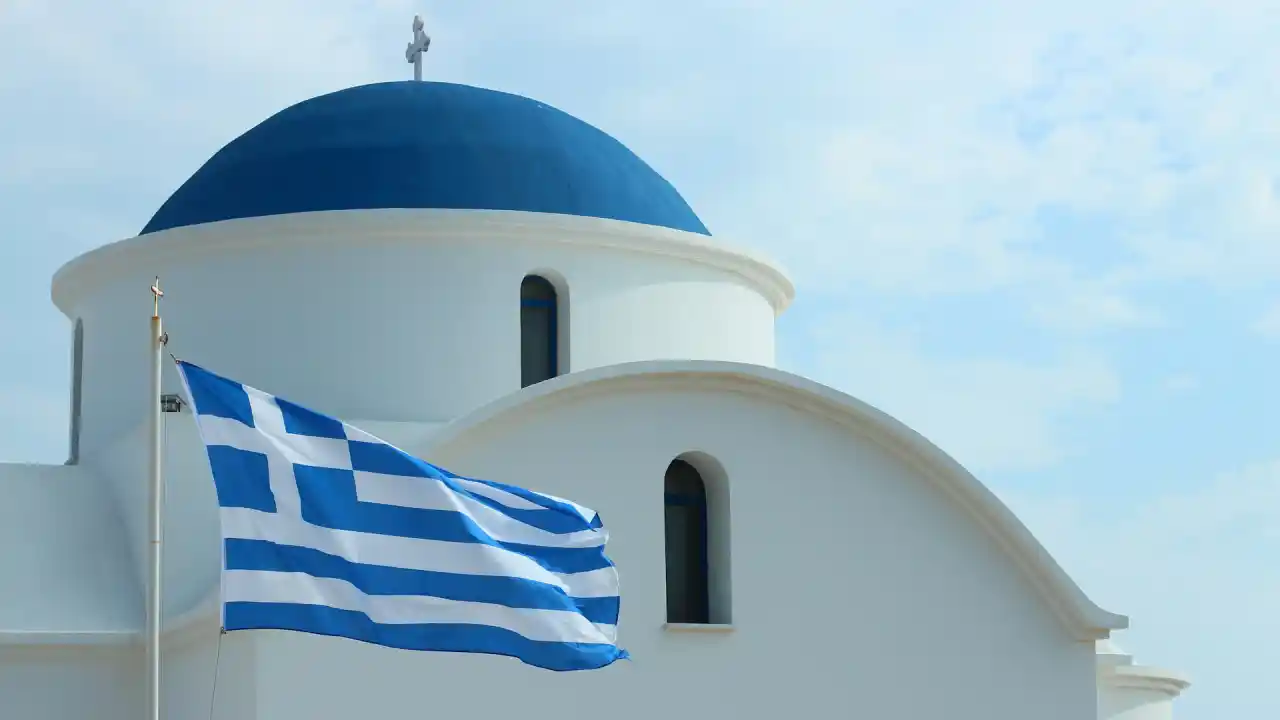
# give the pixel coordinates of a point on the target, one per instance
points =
(697, 627)
(408, 225)
(1141, 677)
(203, 617)
(68, 637)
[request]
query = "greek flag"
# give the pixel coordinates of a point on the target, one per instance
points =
(328, 530)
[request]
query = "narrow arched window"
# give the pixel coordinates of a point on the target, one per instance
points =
(539, 335)
(77, 371)
(688, 599)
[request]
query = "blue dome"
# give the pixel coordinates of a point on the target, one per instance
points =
(425, 145)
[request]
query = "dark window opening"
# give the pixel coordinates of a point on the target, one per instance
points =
(539, 334)
(77, 372)
(688, 599)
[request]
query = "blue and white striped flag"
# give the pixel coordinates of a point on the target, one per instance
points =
(328, 530)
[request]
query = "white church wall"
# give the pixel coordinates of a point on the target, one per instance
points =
(858, 583)
(628, 315)
(63, 562)
(122, 470)
(402, 318)
(210, 678)
(192, 553)
(202, 679)
(74, 682)
(402, 315)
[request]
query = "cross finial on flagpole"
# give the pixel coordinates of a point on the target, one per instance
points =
(155, 290)
(421, 41)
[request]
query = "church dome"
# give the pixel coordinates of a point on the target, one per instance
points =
(425, 145)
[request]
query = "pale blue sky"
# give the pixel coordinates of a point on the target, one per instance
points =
(1047, 235)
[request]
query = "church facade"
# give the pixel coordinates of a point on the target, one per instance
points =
(508, 292)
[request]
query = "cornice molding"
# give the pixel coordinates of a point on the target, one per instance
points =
(1149, 679)
(388, 227)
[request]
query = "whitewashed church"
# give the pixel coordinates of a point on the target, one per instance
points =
(508, 292)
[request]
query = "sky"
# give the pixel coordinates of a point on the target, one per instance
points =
(1045, 235)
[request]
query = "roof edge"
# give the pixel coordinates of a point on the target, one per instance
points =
(1083, 619)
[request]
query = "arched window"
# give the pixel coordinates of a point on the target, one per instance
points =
(77, 371)
(539, 334)
(688, 597)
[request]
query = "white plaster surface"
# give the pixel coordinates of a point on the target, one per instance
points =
(856, 569)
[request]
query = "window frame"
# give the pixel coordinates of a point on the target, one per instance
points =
(698, 598)
(552, 306)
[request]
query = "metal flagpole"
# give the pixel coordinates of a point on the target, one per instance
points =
(158, 340)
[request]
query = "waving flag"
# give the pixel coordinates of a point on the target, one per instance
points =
(329, 530)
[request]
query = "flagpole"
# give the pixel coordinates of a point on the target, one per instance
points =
(154, 607)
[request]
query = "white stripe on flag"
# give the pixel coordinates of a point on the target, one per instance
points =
(275, 587)
(412, 553)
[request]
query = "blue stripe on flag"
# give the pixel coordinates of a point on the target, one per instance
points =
(321, 620)
(302, 421)
(381, 580)
(387, 460)
(216, 396)
(556, 517)
(329, 500)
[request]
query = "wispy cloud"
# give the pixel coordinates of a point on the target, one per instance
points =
(994, 414)
(1181, 383)
(1268, 325)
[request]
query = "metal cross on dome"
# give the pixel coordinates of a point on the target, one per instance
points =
(155, 290)
(416, 49)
